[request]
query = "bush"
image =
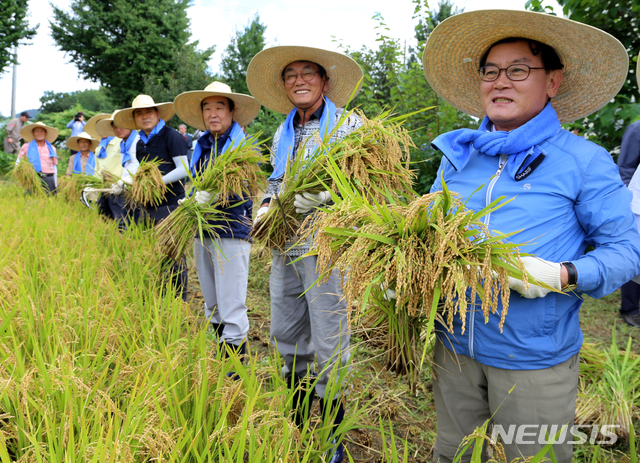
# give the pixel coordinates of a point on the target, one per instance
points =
(7, 162)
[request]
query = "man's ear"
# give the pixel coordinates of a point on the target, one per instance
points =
(555, 79)
(325, 87)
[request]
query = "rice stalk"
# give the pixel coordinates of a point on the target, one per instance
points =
(71, 187)
(27, 177)
(432, 251)
(147, 188)
(373, 158)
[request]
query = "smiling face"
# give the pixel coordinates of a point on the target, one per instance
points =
(510, 104)
(119, 132)
(39, 134)
(216, 114)
(305, 95)
(146, 119)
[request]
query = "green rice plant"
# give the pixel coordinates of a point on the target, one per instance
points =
(374, 157)
(147, 188)
(232, 177)
(26, 176)
(609, 389)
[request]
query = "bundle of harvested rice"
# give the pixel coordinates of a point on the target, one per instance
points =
(71, 187)
(435, 254)
(232, 178)
(26, 176)
(374, 158)
(147, 188)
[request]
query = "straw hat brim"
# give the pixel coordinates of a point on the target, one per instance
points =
(595, 63)
(90, 126)
(125, 119)
(104, 128)
(264, 75)
(27, 132)
(72, 143)
(187, 107)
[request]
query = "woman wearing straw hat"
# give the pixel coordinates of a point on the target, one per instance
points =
(310, 86)
(41, 153)
(159, 142)
(526, 73)
(84, 161)
(223, 278)
(117, 163)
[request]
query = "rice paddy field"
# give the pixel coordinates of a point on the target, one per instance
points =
(99, 363)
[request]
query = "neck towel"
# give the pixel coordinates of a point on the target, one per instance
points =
(285, 145)
(521, 144)
(125, 145)
(235, 138)
(156, 129)
(90, 168)
(101, 150)
(34, 155)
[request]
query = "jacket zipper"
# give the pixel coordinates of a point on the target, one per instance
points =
(503, 163)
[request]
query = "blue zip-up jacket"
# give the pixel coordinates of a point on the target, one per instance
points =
(237, 223)
(574, 198)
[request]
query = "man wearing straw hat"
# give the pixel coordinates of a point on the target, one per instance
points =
(117, 162)
(310, 86)
(223, 266)
(524, 74)
(159, 142)
(84, 161)
(41, 153)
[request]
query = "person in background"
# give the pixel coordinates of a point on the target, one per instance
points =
(77, 126)
(565, 196)
(158, 141)
(40, 152)
(182, 128)
(84, 161)
(13, 128)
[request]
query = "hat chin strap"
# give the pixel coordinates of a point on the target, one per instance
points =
(304, 110)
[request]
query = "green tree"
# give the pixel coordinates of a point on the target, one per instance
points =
(235, 61)
(91, 100)
(192, 73)
(14, 27)
(116, 42)
(394, 80)
(620, 18)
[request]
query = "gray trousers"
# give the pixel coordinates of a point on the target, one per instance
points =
(467, 393)
(224, 285)
(309, 325)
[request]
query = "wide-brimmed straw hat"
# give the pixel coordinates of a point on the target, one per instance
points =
(72, 142)
(104, 127)
(595, 63)
(264, 75)
(124, 118)
(27, 132)
(90, 126)
(188, 105)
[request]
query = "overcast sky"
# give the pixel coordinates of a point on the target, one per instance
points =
(213, 22)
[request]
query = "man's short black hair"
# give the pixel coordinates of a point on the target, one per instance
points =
(550, 59)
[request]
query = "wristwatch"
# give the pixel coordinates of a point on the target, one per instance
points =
(572, 284)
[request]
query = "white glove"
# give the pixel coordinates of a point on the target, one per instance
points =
(307, 201)
(203, 197)
(180, 201)
(542, 270)
(262, 211)
(389, 294)
(117, 188)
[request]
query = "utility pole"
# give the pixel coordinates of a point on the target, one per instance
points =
(14, 82)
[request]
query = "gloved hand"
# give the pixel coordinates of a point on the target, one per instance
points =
(389, 293)
(203, 197)
(118, 187)
(307, 201)
(542, 270)
(262, 211)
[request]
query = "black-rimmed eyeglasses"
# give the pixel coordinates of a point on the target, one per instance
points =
(514, 72)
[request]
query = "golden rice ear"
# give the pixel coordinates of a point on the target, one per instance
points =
(147, 188)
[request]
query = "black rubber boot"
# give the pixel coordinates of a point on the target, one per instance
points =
(241, 351)
(303, 396)
(217, 328)
(336, 454)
